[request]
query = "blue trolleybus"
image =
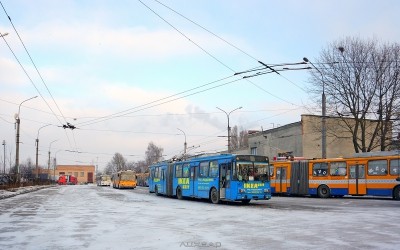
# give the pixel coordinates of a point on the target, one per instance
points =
(222, 177)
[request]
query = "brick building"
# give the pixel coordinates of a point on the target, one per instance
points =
(84, 173)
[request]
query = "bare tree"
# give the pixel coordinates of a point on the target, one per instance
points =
(243, 138)
(234, 138)
(153, 154)
(141, 167)
(117, 163)
(361, 81)
(239, 138)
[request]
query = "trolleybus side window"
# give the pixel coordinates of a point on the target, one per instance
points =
(178, 171)
(271, 170)
(394, 167)
(320, 169)
(213, 169)
(338, 169)
(203, 169)
(377, 167)
(186, 170)
(158, 174)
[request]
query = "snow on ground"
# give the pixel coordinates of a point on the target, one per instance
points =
(21, 190)
(91, 217)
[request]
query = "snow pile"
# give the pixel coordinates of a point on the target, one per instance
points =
(21, 190)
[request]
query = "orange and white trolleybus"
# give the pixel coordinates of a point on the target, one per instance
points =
(375, 174)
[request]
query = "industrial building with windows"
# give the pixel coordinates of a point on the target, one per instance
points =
(84, 173)
(303, 139)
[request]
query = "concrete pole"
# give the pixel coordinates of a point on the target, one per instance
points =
(37, 158)
(18, 121)
(4, 145)
(17, 151)
(229, 128)
(323, 122)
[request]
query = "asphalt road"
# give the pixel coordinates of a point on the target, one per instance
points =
(91, 217)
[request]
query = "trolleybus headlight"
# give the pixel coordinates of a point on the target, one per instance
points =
(266, 190)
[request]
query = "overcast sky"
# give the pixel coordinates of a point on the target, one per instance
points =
(127, 73)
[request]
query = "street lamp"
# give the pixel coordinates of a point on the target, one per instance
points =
(37, 150)
(229, 128)
(323, 109)
(55, 164)
(184, 145)
(18, 122)
(4, 145)
(48, 168)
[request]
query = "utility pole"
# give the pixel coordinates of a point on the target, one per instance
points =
(4, 145)
(323, 122)
(37, 151)
(48, 167)
(229, 128)
(18, 122)
(184, 145)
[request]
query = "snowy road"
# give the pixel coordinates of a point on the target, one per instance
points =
(91, 217)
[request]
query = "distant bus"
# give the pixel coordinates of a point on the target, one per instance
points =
(358, 176)
(104, 180)
(222, 177)
(142, 179)
(124, 179)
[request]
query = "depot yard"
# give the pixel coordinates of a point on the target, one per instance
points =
(93, 217)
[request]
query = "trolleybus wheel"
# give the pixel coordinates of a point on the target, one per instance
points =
(214, 196)
(245, 202)
(324, 191)
(179, 193)
(396, 193)
(156, 191)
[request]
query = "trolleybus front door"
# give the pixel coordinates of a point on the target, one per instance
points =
(223, 180)
(281, 182)
(193, 180)
(357, 183)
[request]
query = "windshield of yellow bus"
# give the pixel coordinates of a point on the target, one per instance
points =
(127, 176)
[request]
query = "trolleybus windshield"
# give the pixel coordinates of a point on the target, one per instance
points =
(249, 171)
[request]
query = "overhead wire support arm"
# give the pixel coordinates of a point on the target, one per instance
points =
(269, 67)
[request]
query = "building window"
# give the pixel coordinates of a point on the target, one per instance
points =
(254, 151)
(82, 174)
(76, 174)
